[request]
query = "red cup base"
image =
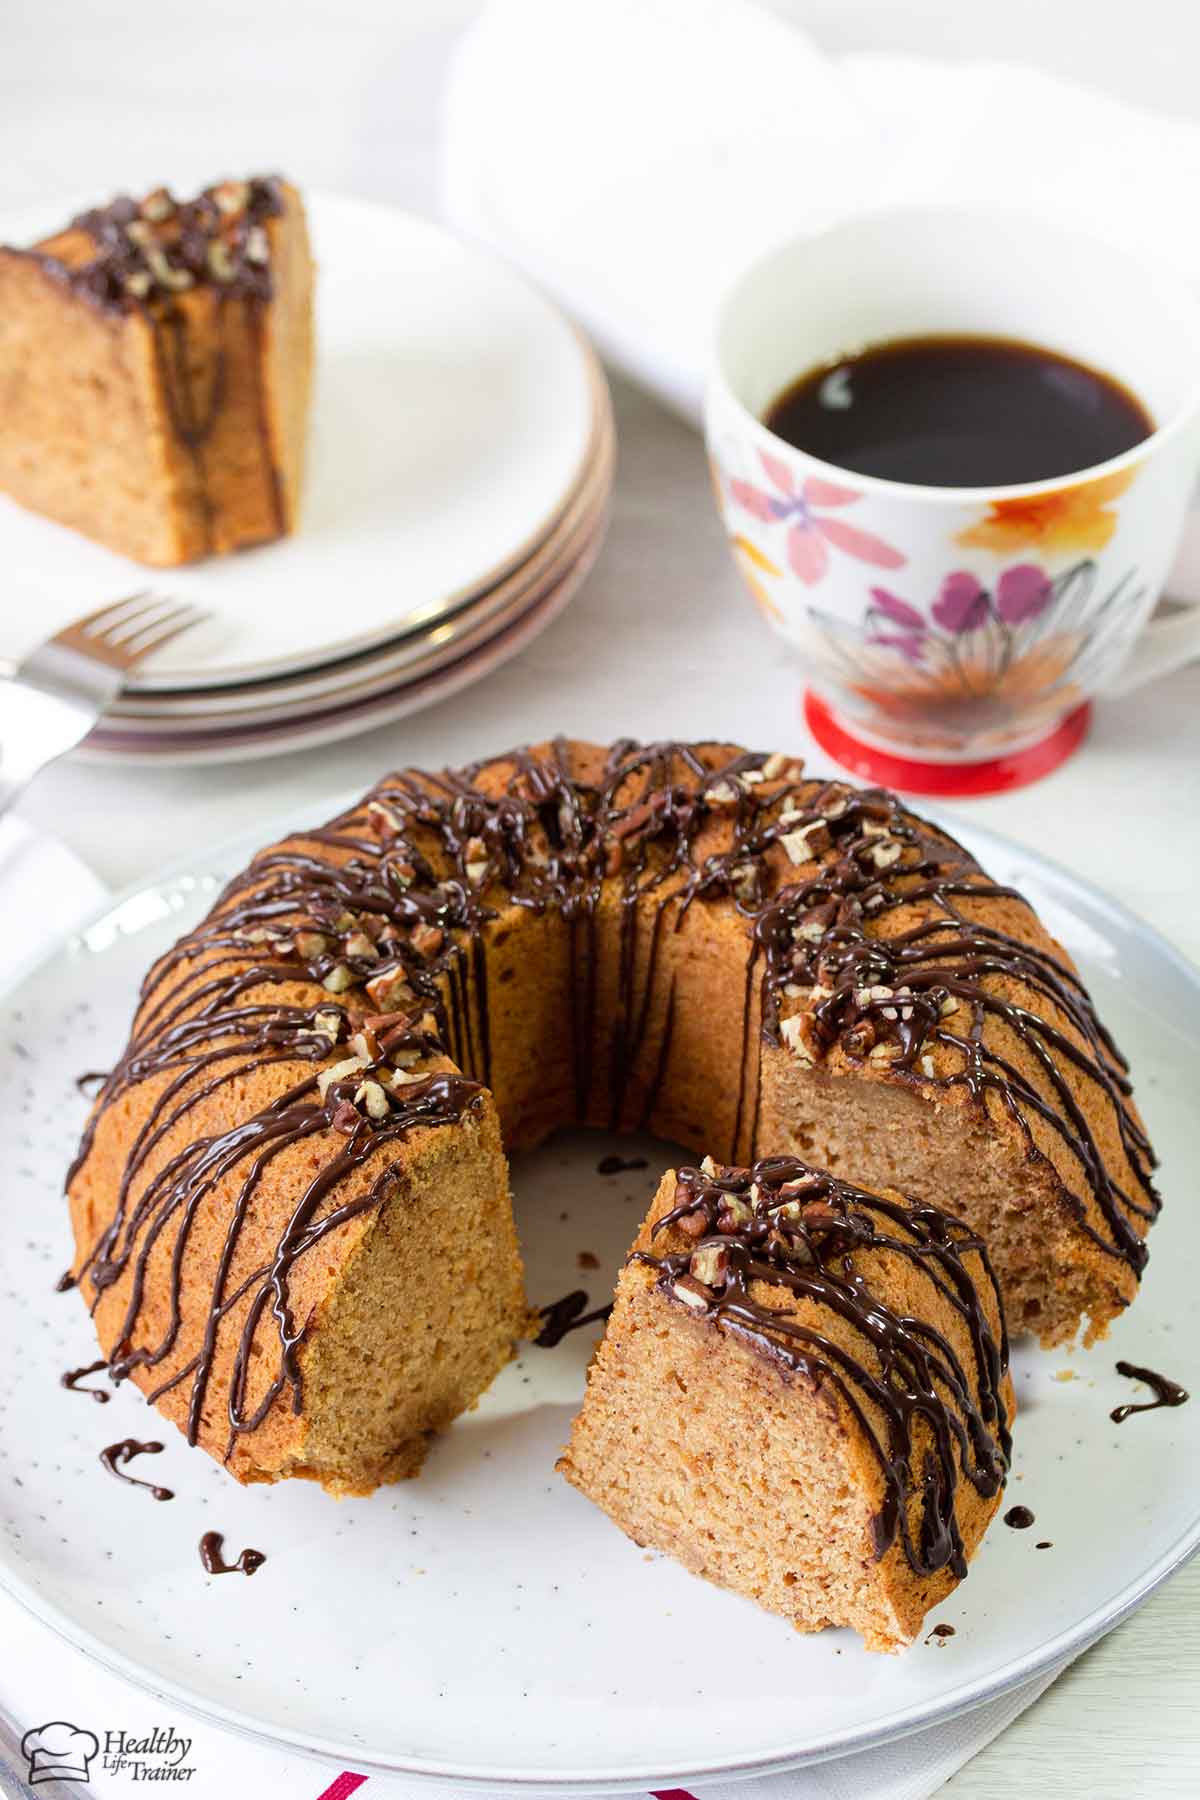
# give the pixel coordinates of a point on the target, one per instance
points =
(996, 775)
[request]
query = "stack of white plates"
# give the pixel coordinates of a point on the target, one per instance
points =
(461, 461)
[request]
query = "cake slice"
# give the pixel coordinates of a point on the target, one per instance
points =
(802, 1395)
(155, 367)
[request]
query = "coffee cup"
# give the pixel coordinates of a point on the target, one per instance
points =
(953, 636)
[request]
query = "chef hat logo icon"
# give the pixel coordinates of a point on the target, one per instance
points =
(59, 1752)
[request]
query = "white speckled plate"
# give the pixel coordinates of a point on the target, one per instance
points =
(486, 1624)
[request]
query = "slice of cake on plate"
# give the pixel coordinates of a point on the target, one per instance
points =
(802, 1395)
(155, 368)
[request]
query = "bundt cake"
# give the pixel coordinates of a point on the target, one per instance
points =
(802, 1394)
(155, 365)
(290, 1207)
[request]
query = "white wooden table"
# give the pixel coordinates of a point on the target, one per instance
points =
(661, 642)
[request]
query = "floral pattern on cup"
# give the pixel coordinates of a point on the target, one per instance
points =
(980, 662)
(1077, 517)
(809, 532)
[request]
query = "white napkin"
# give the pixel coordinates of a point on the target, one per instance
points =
(634, 155)
(44, 891)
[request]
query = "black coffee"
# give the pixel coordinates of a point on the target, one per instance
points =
(960, 412)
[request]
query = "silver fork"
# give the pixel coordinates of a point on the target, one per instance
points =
(52, 699)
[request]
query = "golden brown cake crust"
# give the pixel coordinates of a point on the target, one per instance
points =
(869, 1333)
(684, 937)
(155, 368)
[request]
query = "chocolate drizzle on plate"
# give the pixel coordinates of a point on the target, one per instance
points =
(1019, 1517)
(72, 1377)
(860, 948)
(565, 1315)
(808, 1236)
(213, 1558)
(1166, 1392)
(124, 1453)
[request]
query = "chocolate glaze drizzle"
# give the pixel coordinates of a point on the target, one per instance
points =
(1019, 1517)
(212, 1556)
(145, 255)
(124, 1453)
(72, 1377)
(805, 1233)
(1166, 1392)
(567, 1314)
(151, 250)
(918, 999)
(860, 948)
(388, 1107)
